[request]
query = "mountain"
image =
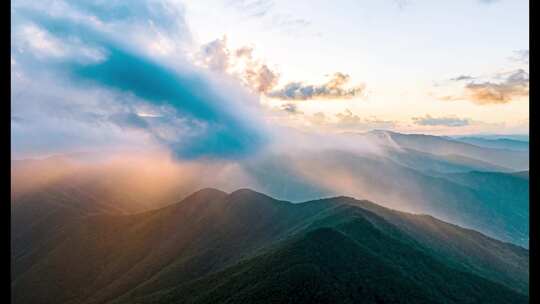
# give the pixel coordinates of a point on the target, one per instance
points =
(500, 212)
(50, 190)
(329, 266)
(438, 145)
(214, 247)
(497, 143)
(98, 185)
(522, 174)
(518, 137)
(508, 194)
(430, 163)
(395, 177)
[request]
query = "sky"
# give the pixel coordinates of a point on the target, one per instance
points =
(224, 78)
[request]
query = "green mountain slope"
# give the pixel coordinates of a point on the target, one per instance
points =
(400, 187)
(199, 250)
(339, 265)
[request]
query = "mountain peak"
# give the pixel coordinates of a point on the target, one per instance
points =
(206, 194)
(246, 193)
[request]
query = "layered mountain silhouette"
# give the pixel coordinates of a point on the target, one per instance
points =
(495, 203)
(246, 247)
(497, 143)
(454, 181)
(515, 159)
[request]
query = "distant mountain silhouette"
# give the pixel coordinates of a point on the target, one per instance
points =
(497, 143)
(437, 145)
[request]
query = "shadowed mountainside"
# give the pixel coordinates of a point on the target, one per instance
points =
(215, 247)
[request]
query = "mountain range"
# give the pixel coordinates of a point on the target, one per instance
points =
(246, 247)
(459, 189)
(497, 143)
(449, 225)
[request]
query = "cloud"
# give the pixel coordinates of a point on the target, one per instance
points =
(501, 89)
(215, 55)
(272, 19)
(318, 118)
(401, 4)
(204, 116)
(521, 56)
(261, 78)
(348, 121)
(223, 131)
(257, 76)
(488, 1)
(347, 118)
(333, 89)
(16, 119)
(462, 77)
(289, 22)
(240, 63)
(448, 121)
(129, 120)
(153, 26)
(514, 86)
(41, 42)
(291, 108)
(252, 8)
(165, 15)
(244, 51)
